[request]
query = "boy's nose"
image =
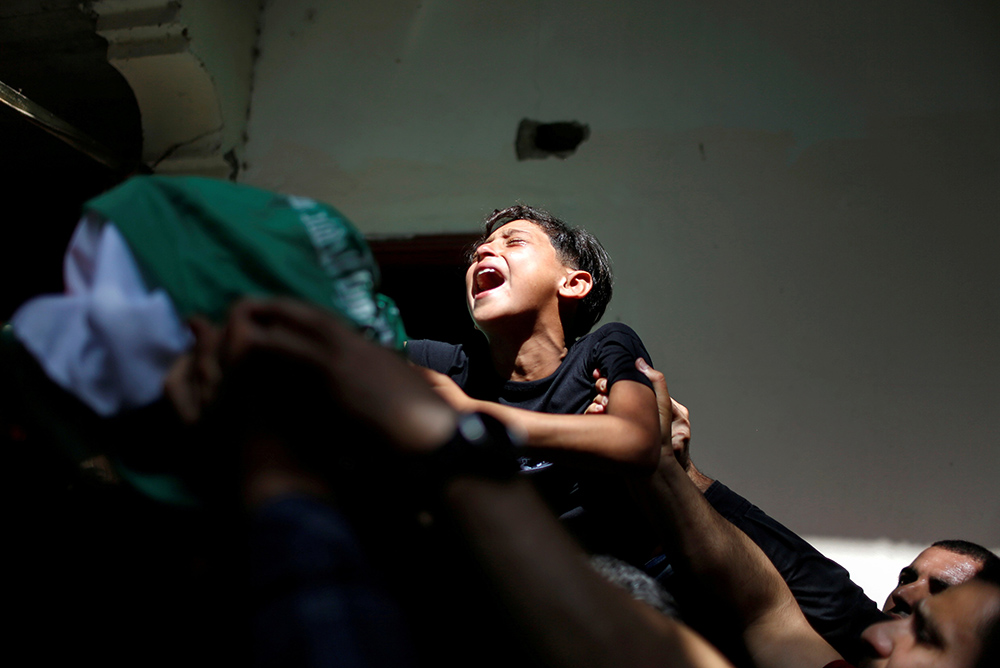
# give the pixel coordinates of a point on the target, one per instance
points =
(485, 250)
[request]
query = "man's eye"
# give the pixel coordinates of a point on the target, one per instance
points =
(937, 586)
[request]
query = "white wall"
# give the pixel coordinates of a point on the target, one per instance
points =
(802, 205)
(874, 565)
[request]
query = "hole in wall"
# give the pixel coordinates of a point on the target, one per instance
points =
(537, 141)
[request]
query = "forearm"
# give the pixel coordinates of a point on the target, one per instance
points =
(608, 437)
(700, 480)
(570, 615)
(729, 568)
(709, 546)
(834, 605)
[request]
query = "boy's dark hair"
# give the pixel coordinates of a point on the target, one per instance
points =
(576, 248)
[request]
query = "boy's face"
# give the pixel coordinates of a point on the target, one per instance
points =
(515, 272)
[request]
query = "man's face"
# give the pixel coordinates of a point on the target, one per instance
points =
(934, 570)
(515, 272)
(944, 631)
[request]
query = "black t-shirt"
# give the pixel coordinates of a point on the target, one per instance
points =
(612, 348)
(571, 493)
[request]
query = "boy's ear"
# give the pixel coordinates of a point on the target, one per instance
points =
(576, 285)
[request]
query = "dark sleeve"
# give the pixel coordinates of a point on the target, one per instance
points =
(316, 600)
(836, 607)
(616, 351)
(446, 358)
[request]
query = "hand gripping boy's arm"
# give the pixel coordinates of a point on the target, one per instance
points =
(773, 629)
(735, 578)
(627, 432)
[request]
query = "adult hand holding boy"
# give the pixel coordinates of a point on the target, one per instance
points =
(675, 421)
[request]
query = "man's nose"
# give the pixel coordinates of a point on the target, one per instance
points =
(907, 596)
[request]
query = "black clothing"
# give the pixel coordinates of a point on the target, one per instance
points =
(836, 607)
(612, 348)
(595, 505)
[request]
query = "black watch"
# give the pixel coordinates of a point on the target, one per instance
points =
(481, 446)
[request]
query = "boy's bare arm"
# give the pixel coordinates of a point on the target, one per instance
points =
(627, 432)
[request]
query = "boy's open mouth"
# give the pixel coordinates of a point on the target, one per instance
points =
(487, 278)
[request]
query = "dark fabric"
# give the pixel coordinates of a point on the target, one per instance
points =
(612, 348)
(836, 607)
(316, 600)
(595, 506)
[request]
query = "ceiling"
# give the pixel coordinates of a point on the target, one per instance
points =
(50, 53)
